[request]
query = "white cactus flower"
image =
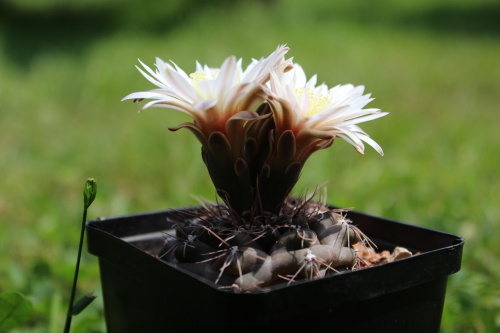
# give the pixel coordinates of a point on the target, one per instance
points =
(317, 115)
(211, 96)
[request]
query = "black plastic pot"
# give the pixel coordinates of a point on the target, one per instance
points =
(144, 294)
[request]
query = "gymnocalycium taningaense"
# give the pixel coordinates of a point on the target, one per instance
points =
(257, 127)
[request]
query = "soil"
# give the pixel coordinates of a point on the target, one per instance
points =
(369, 256)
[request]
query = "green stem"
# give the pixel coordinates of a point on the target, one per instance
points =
(69, 315)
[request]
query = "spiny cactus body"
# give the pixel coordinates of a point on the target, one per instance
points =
(303, 243)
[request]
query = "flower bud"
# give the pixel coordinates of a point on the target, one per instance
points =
(89, 192)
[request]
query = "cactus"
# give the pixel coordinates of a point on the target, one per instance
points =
(308, 240)
(257, 128)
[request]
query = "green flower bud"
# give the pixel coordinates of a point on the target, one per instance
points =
(89, 192)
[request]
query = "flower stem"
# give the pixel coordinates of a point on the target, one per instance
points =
(69, 315)
(89, 194)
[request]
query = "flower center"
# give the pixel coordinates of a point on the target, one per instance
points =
(317, 102)
(198, 77)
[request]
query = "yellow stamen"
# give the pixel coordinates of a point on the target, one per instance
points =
(198, 77)
(317, 103)
(238, 76)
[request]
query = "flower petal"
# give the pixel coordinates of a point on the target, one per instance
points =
(225, 77)
(193, 128)
(182, 86)
(365, 118)
(176, 105)
(205, 104)
(143, 95)
(372, 143)
(153, 79)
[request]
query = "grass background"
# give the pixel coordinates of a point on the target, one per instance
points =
(64, 66)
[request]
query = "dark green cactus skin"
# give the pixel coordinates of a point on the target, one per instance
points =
(300, 245)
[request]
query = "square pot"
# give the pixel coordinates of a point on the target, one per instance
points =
(144, 294)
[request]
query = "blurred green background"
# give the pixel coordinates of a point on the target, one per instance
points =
(65, 65)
